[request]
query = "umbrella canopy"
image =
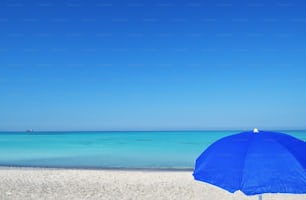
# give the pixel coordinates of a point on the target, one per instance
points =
(255, 162)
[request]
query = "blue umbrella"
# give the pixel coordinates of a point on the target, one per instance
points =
(255, 162)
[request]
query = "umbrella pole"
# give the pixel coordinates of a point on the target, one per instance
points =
(260, 197)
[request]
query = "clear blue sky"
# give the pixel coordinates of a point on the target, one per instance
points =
(152, 65)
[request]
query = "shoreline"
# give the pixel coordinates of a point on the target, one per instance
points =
(53, 183)
(98, 168)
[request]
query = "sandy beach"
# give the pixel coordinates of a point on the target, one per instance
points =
(37, 183)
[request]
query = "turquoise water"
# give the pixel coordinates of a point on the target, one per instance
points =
(157, 150)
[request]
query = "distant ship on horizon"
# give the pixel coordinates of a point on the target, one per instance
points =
(29, 130)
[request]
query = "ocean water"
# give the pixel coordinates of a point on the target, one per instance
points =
(132, 150)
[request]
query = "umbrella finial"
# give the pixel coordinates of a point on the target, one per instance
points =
(255, 130)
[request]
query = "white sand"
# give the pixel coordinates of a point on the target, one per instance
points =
(29, 183)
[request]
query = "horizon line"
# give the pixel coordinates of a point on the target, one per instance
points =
(158, 130)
